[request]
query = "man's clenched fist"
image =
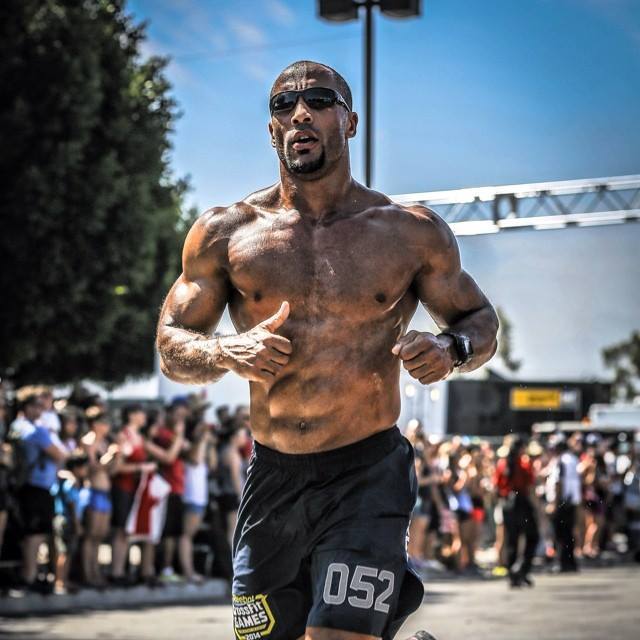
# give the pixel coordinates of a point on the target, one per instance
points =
(258, 354)
(426, 357)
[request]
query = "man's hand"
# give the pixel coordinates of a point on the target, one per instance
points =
(258, 354)
(426, 357)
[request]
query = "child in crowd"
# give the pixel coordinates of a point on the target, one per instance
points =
(70, 500)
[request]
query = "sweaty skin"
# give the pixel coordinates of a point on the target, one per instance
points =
(321, 277)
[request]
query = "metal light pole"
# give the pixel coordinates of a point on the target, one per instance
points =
(347, 10)
(368, 92)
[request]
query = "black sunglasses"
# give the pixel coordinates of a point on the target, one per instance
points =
(316, 97)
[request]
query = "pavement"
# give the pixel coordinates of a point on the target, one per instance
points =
(597, 604)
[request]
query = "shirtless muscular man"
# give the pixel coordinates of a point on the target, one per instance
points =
(322, 276)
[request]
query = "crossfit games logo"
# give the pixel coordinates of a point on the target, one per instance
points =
(252, 618)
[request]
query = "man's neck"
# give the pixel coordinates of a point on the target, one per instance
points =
(316, 198)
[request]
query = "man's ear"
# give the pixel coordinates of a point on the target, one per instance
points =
(273, 140)
(352, 125)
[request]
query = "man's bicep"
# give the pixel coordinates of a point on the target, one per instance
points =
(449, 297)
(196, 304)
(197, 299)
(447, 291)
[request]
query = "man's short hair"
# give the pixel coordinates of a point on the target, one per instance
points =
(29, 400)
(302, 67)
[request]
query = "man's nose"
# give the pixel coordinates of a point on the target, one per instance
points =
(301, 112)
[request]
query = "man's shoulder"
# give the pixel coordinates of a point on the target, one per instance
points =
(418, 221)
(221, 222)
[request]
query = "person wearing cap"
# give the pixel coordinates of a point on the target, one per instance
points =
(43, 455)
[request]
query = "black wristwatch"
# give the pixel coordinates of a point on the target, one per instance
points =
(462, 347)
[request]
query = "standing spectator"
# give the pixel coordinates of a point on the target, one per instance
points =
(42, 456)
(166, 448)
(563, 498)
(131, 461)
(6, 464)
(67, 523)
(462, 487)
(3, 416)
(515, 483)
(101, 458)
(595, 484)
(216, 536)
(196, 496)
(233, 439)
(420, 516)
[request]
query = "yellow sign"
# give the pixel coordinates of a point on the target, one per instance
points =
(535, 399)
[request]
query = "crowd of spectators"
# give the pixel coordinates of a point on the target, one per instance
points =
(559, 500)
(82, 483)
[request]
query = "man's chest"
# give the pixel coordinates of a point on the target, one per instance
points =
(323, 266)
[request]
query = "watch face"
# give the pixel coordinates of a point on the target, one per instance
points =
(467, 348)
(464, 348)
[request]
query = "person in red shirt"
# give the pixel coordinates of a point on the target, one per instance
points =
(129, 465)
(515, 480)
(167, 447)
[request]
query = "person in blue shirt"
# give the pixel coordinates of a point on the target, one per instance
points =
(43, 457)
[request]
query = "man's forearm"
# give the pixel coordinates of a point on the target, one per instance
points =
(481, 327)
(189, 357)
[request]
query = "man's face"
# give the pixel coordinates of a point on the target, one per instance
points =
(33, 410)
(328, 129)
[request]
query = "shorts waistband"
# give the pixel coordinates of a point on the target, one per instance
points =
(363, 452)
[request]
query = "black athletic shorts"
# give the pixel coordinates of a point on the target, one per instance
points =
(321, 541)
(37, 509)
(175, 514)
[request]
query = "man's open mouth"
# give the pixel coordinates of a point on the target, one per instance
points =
(303, 141)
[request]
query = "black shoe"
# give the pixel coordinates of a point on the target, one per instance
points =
(122, 582)
(153, 582)
(515, 580)
(43, 587)
(421, 635)
(527, 580)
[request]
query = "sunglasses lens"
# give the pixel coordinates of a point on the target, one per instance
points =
(283, 101)
(319, 98)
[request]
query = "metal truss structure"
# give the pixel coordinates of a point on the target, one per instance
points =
(541, 205)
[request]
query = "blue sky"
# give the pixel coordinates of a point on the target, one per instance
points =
(471, 93)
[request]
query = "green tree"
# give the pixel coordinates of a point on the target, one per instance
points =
(624, 359)
(505, 345)
(90, 214)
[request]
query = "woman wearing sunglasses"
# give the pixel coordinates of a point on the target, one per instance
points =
(322, 277)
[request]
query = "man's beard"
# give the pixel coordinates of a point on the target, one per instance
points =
(299, 166)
